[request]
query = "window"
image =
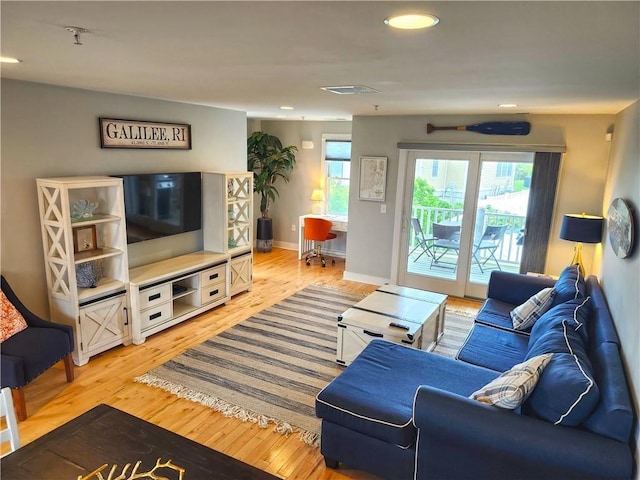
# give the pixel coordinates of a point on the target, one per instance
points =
(337, 170)
(504, 169)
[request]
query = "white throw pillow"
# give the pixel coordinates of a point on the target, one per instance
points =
(514, 386)
(524, 316)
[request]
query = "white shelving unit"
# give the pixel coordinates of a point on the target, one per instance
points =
(155, 296)
(227, 207)
(98, 314)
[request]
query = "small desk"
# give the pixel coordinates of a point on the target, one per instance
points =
(340, 224)
(105, 435)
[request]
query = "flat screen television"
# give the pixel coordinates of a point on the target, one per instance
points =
(162, 204)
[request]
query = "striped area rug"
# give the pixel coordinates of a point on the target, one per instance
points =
(269, 368)
(456, 328)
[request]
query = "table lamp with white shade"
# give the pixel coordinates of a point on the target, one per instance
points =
(317, 196)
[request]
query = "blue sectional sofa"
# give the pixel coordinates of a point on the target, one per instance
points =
(402, 413)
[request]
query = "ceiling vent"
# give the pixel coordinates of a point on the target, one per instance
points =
(350, 89)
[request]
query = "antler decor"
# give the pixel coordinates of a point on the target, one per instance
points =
(151, 474)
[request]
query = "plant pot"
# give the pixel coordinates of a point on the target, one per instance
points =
(264, 235)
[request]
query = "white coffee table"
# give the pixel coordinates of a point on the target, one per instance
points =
(399, 314)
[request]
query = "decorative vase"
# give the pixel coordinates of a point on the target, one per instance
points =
(88, 274)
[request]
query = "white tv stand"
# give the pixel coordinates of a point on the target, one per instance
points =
(170, 291)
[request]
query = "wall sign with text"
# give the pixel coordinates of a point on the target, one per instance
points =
(115, 133)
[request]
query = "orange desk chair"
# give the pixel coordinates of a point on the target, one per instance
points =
(317, 230)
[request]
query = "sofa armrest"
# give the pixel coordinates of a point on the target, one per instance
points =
(515, 288)
(460, 438)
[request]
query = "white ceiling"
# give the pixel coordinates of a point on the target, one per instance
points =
(548, 57)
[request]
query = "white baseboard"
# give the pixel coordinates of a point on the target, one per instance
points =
(294, 246)
(357, 277)
(285, 245)
(334, 253)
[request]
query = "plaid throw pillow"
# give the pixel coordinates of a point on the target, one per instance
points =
(515, 385)
(524, 316)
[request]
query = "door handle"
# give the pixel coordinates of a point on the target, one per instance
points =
(372, 334)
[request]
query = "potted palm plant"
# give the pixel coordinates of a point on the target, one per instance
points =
(268, 160)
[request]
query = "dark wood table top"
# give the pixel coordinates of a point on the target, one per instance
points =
(107, 436)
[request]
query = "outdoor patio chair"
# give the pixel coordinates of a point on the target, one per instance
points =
(423, 243)
(446, 238)
(489, 243)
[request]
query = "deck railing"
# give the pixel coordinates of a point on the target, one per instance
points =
(511, 248)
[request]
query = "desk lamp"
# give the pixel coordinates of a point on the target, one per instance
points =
(581, 228)
(317, 196)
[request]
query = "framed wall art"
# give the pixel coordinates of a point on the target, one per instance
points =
(85, 239)
(373, 179)
(620, 227)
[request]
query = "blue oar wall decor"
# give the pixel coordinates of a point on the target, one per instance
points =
(490, 128)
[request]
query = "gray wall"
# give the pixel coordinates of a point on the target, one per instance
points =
(620, 278)
(370, 236)
(295, 196)
(50, 131)
(584, 167)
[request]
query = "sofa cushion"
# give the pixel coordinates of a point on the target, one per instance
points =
(524, 316)
(11, 320)
(514, 386)
(569, 286)
(575, 312)
(493, 348)
(495, 313)
(566, 392)
(374, 395)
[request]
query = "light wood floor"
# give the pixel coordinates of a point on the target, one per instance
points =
(108, 378)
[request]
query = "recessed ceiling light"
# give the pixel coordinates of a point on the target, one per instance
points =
(412, 21)
(286, 107)
(508, 105)
(9, 60)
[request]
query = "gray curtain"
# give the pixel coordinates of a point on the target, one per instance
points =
(542, 197)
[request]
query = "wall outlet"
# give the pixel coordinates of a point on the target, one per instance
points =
(383, 208)
(293, 227)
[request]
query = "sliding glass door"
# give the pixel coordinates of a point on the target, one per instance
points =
(463, 216)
